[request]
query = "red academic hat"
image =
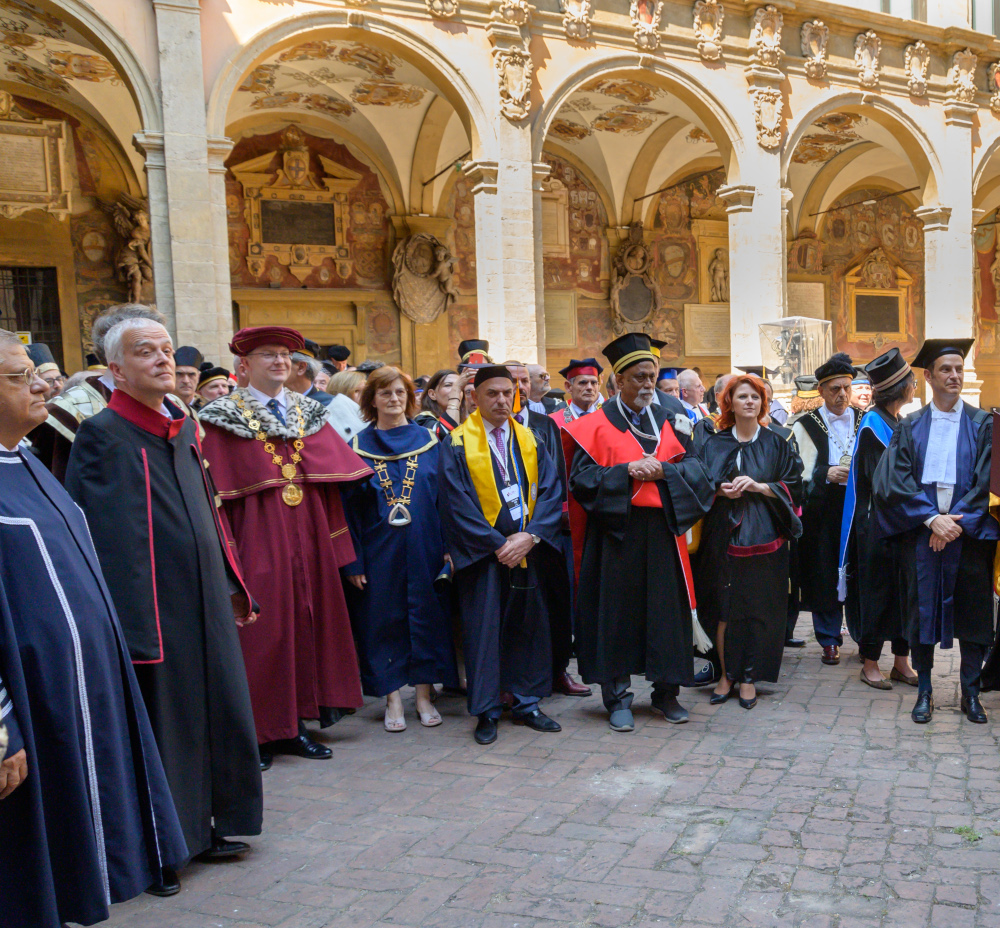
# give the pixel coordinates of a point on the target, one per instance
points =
(577, 368)
(247, 340)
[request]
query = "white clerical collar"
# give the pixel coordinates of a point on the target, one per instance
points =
(264, 399)
(954, 413)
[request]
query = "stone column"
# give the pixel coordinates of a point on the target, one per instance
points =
(949, 249)
(756, 256)
(506, 258)
(193, 256)
(218, 151)
(150, 145)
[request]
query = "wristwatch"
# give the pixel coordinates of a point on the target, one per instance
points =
(535, 539)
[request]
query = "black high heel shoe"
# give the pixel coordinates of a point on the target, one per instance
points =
(748, 703)
(718, 698)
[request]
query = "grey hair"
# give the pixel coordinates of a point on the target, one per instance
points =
(115, 336)
(687, 379)
(313, 367)
(9, 338)
(115, 314)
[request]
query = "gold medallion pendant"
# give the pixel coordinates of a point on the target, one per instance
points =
(288, 471)
(291, 494)
(845, 460)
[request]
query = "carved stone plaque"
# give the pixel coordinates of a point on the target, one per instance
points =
(31, 166)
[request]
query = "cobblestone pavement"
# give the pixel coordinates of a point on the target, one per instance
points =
(824, 807)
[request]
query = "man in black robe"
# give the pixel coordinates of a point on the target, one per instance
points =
(932, 491)
(137, 473)
(825, 437)
(86, 817)
(501, 513)
(629, 475)
(560, 592)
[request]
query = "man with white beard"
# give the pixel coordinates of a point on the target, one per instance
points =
(639, 494)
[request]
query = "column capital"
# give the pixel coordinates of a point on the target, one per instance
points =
(178, 6)
(959, 113)
(738, 197)
(539, 171)
(219, 148)
(758, 75)
(483, 175)
(934, 218)
(151, 146)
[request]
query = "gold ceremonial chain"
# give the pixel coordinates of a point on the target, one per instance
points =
(399, 513)
(291, 493)
(845, 458)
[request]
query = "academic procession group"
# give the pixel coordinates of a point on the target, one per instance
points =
(186, 593)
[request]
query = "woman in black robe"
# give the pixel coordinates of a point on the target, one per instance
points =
(742, 575)
(872, 600)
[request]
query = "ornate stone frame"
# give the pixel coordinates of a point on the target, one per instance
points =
(291, 184)
(57, 196)
(855, 285)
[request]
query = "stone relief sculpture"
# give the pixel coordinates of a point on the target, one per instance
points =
(916, 58)
(442, 9)
(813, 39)
(635, 295)
(718, 275)
(708, 18)
(423, 278)
(577, 15)
(135, 267)
(767, 109)
(765, 37)
(515, 12)
(994, 88)
(877, 272)
(645, 15)
(867, 48)
(962, 77)
(513, 68)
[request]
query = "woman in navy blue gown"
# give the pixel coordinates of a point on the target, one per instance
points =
(401, 624)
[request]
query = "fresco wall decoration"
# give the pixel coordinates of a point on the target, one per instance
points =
(850, 232)
(986, 279)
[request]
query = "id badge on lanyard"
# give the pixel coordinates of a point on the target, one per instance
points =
(512, 499)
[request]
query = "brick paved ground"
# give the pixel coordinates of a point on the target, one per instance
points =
(824, 807)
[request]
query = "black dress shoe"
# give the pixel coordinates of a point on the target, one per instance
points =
(539, 721)
(167, 885)
(672, 710)
(266, 758)
(795, 642)
(974, 710)
(924, 709)
(330, 716)
(301, 746)
(486, 730)
(222, 849)
(718, 698)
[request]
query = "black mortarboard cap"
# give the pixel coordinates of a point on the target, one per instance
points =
(806, 386)
(310, 348)
(491, 371)
(474, 351)
(186, 356)
(934, 348)
(887, 369)
(838, 366)
(573, 369)
(758, 370)
(630, 349)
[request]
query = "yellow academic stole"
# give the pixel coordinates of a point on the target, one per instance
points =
(472, 435)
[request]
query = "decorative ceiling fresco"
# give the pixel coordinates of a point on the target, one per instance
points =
(833, 133)
(371, 94)
(607, 123)
(41, 52)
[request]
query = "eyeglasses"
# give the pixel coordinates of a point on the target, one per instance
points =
(270, 357)
(27, 375)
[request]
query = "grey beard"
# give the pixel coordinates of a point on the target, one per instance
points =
(643, 401)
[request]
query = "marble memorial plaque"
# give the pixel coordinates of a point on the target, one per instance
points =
(706, 330)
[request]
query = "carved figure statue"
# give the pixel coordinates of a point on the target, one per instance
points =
(995, 274)
(718, 273)
(423, 280)
(444, 274)
(131, 218)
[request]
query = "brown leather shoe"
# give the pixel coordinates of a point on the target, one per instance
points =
(831, 654)
(566, 685)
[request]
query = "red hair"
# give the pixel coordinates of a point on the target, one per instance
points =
(727, 418)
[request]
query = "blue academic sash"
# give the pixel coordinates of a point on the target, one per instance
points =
(883, 432)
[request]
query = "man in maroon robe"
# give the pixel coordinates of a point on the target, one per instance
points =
(278, 466)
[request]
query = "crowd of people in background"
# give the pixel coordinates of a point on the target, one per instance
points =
(200, 568)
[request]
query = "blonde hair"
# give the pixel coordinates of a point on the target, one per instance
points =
(345, 382)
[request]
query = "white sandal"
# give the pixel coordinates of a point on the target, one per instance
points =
(430, 719)
(394, 725)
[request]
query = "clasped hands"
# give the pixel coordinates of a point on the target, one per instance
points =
(838, 474)
(736, 488)
(13, 772)
(646, 468)
(944, 528)
(515, 549)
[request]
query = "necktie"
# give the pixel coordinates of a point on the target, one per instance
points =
(497, 434)
(520, 418)
(276, 410)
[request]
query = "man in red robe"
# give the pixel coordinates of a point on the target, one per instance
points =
(278, 467)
